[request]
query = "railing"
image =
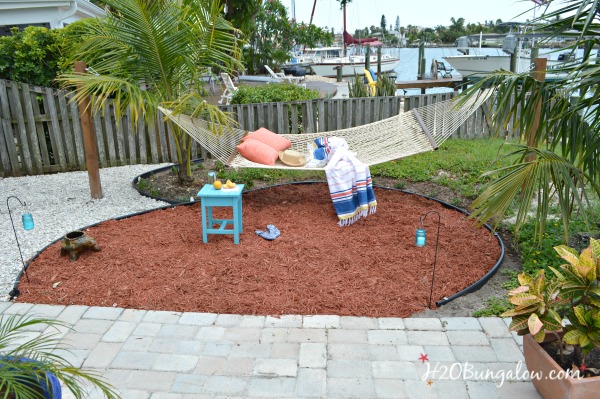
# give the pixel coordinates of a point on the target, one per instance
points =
(40, 129)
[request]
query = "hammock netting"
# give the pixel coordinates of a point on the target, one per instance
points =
(419, 130)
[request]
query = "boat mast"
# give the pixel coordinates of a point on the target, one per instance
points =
(294, 10)
(343, 38)
(312, 14)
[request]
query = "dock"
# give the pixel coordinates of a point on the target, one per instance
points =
(453, 82)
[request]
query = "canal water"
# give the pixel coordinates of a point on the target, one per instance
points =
(409, 61)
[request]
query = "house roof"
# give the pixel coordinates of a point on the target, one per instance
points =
(84, 7)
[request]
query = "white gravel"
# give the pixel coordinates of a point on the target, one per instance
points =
(61, 203)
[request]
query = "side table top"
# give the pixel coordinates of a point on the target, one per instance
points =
(209, 191)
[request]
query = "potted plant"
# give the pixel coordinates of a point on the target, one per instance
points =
(564, 308)
(33, 368)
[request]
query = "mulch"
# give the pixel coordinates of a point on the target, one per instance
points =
(373, 268)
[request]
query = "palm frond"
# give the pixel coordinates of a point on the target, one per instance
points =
(548, 178)
(23, 365)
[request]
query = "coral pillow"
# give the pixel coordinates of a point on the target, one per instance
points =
(268, 137)
(258, 152)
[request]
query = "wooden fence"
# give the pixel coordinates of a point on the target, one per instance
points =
(40, 129)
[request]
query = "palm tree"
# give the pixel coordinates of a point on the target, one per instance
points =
(559, 122)
(146, 53)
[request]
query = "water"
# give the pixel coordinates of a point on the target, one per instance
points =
(409, 62)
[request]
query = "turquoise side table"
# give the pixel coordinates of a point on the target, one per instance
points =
(210, 198)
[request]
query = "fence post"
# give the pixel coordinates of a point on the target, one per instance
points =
(89, 139)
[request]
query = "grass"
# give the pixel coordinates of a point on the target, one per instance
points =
(457, 164)
(540, 254)
(493, 307)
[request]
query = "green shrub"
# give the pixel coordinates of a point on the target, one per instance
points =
(36, 55)
(270, 93)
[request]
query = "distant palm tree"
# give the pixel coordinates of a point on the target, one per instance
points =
(146, 53)
(559, 125)
(457, 25)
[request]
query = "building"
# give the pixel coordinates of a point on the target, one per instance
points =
(49, 13)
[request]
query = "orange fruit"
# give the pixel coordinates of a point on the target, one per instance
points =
(217, 184)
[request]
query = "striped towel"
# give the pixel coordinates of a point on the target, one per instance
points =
(349, 183)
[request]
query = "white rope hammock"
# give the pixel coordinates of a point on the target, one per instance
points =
(419, 130)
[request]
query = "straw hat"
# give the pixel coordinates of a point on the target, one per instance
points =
(292, 158)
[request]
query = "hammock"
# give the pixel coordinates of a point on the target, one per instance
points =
(419, 130)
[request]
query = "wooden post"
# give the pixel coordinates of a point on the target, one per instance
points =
(368, 56)
(421, 72)
(89, 139)
(378, 62)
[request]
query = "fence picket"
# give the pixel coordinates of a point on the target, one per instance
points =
(132, 138)
(38, 141)
(153, 139)
(10, 160)
(77, 134)
(100, 141)
(172, 145)
(66, 130)
(294, 109)
(23, 142)
(321, 116)
(54, 129)
(142, 147)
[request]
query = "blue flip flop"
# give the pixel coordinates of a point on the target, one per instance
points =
(271, 233)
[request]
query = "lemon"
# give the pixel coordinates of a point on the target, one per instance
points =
(217, 185)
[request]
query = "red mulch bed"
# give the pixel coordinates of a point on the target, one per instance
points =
(372, 268)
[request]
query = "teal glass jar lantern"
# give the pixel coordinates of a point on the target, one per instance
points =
(421, 237)
(27, 220)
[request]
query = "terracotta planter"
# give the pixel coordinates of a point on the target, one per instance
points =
(549, 378)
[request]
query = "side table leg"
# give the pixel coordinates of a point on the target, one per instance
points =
(240, 212)
(204, 227)
(237, 221)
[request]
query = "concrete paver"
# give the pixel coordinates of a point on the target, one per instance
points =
(172, 355)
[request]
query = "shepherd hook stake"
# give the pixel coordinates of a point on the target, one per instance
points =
(23, 204)
(437, 239)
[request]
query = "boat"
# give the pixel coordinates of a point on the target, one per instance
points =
(471, 64)
(325, 61)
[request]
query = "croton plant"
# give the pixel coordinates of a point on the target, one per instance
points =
(568, 301)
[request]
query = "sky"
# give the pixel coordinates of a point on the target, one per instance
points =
(429, 13)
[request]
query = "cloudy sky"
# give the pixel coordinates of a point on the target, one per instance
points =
(429, 13)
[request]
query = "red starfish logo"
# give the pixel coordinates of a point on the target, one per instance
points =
(423, 358)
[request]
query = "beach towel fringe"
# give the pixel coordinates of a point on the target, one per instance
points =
(363, 211)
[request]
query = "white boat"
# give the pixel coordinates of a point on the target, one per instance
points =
(470, 64)
(325, 61)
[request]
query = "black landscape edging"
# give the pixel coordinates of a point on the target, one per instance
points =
(146, 175)
(472, 288)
